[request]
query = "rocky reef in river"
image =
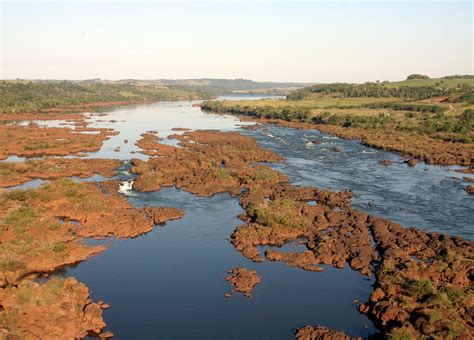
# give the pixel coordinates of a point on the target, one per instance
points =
(34, 141)
(57, 309)
(43, 230)
(413, 145)
(423, 280)
(16, 173)
(243, 280)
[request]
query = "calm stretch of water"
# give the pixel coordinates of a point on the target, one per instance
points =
(170, 283)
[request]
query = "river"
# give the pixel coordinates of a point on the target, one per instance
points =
(170, 282)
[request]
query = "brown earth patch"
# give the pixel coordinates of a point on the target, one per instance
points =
(16, 173)
(208, 162)
(243, 280)
(56, 309)
(321, 333)
(34, 141)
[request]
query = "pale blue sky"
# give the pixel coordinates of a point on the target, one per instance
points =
(311, 41)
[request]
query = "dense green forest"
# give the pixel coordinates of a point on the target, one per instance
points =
(27, 96)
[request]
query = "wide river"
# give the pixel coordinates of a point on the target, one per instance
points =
(170, 283)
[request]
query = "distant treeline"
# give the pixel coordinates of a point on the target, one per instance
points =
(381, 90)
(21, 96)
(376, 90)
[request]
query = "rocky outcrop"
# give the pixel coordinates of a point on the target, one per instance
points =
(16, 173)
(321, 333)
(33, 140)
(56, 309)
(42, 228)
(385, 162)
(243, 280)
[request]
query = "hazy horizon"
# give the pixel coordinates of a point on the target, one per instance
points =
(308, 42)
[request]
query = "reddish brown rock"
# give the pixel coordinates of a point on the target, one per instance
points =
(16, 173)
(243, 280)
(42, 228)
(33, 140)
(163, 214)
(321, 333)
(385, 162)
(305, 260)
(56, 309)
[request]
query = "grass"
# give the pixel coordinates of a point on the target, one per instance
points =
(418, 289)
(20, 219)
(400, 334)
(279, 213)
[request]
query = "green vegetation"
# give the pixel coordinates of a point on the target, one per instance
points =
(410, 89)
(417, 76)
(27, 96)
(280, 213)
(440, 108)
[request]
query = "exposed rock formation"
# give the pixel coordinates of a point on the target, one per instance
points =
(56, 309)
(243, 280)
(16, 173)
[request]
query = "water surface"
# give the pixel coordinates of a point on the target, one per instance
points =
(170, 283)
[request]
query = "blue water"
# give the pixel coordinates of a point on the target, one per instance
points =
(170, 283)
(425, 196)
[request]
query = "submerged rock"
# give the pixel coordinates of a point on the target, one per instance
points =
(385, 162)
(411, 162)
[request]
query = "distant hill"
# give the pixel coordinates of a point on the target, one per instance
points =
(224, 86)
(202, 85)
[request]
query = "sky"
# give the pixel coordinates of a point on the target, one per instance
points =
(308, 41)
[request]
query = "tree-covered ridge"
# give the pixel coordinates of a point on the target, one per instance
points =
(416, 87)
(21, 96)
